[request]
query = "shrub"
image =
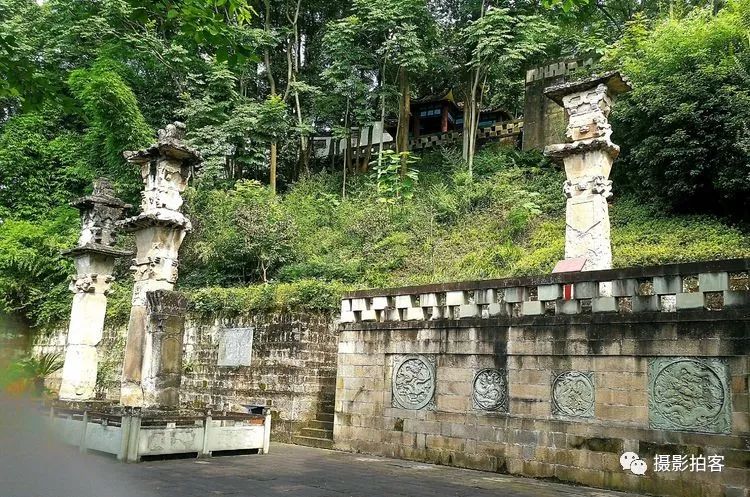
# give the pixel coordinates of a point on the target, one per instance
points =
(300, 296)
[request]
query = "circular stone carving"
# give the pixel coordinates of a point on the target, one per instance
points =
(688, 394)
(490, 392)
(573, 394)
(413, 383)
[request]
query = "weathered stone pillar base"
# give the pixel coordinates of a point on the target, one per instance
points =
(130, 389)
(587, 231)
(86, 325)
(162, 360)
(153, 359)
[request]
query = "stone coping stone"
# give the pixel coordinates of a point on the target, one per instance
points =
(615, 82)
(604, 318)
(685, 268)
(162, 217)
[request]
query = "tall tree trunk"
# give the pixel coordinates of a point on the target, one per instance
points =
(347, 153)
(273, 167)
(293, 59)
(467, 124)
(402, 136)
(272, 86)
(382, 112)
(473, 105)
(357, 151)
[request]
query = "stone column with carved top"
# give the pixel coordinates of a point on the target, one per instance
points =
(153, 351)
(587, 157)
(94, 258)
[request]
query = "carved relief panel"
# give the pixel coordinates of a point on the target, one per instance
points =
(573, 394)
(689, 394)
(490, 390)
(414, 382)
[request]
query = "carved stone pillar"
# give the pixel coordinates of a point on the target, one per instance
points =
(166, 167)
(94, 259)
(588, 158)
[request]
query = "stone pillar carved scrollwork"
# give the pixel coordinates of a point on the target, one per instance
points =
(588, 156)
(94, 258)
(166, 168)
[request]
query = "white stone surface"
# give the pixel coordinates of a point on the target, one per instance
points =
(455, 298)
(235, 347)
(587, 158)
(713, 282)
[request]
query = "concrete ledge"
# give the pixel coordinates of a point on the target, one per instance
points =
(713, 282)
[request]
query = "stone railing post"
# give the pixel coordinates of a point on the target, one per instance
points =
(588, 156)
(94, 259)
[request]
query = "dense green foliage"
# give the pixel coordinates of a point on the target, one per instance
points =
(509, 220)
(33, 274)
(83, 80)
(684, 128)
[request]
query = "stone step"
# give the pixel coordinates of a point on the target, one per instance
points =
(320, 425)
(324, 416)
(320, 443)
(317, 433)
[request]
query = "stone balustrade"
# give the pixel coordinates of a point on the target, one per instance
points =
(711, 285)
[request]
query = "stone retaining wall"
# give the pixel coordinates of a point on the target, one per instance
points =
(287, 363)
(510, 376)
(291, 368)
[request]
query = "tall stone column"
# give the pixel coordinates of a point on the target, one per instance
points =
(153, 351)
(587, 157)
(94, 260)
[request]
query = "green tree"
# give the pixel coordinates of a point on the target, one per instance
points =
(397, 33)
(499, 43)
(683, 129)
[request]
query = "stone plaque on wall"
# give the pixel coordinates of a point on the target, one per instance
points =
(689, 394)
(490, 390)
(573, 394)
(235, 346)
(414, 382)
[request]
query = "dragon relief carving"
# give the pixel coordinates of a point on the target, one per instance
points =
(84, 283)
(573, 394)
(689, 394)
(490, 390)
(413, 383)
(602, 186)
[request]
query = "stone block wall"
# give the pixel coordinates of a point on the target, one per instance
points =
(287, 362)
(292, 366)
(560, 393)
(544, 120)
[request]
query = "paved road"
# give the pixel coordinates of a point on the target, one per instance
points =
(40, 468)
(290, 470)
